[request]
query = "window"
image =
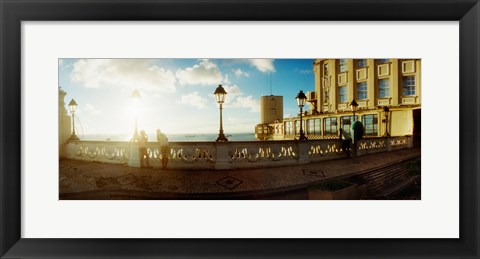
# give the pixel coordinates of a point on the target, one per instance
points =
(343, 65)
(288, 128)
(382, 61)
(370, 122)
(330, 126)
(310, 127)
(296, 130)
(361, 63)
(384, 87)
(408, 85)
(346, 122)
(343, 94)
(362, 90)
(314, 127)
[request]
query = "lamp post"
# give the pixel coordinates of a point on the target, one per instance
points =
(353, 106)
(386, 110)
(136, 99)
(73, 107)
(301, 99)
(220, 94)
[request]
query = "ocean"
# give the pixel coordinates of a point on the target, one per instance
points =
(172, 137)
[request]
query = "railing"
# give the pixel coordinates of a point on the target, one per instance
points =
(196, 155)
(254, 154)
(229, 155)
(114, 152)
(382, 144)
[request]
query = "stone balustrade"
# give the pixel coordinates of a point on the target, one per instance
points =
(115, 152)
(229, 155)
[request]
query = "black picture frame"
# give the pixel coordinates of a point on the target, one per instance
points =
(13, 12)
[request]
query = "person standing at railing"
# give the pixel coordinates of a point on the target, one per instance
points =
(164, 149)
(346, 141)
(357, 130)
(142, 143)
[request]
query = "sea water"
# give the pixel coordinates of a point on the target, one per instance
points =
(171, 137)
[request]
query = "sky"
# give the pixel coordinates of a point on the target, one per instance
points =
(177, 94)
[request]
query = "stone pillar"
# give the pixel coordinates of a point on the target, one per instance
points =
(64, 124)
(388, 143)
(223, 156)
(134, 155)
(395, 81)
(351, 80)
(372, 84)
(303, 149)
(317, 72)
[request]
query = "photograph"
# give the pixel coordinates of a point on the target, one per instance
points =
(239, 129)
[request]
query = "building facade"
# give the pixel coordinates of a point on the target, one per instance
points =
(271, 112)
(388, 93)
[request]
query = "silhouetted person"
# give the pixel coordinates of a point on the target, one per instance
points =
(164, 149)
(346, 141)
(357, 130)
(142, 141)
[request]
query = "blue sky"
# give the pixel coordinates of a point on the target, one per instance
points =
(177, 94)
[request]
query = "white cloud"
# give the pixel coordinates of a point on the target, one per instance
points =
(91, 109)
(263, 65)
(123, 74)
(239, 73)
(204, 73)
(247, 102)
(194, 99)
(236, 99)
(226, 80)
(232, 91)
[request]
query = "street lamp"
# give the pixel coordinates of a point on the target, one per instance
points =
(136, 99)
(353, 106)
(386, 111)
(73, 108)
(355, 124)
(220, 94)
(301, 99)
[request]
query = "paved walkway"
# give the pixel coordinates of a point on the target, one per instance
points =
(92, 180)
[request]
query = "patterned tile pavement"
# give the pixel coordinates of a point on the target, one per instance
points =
(92, 180)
